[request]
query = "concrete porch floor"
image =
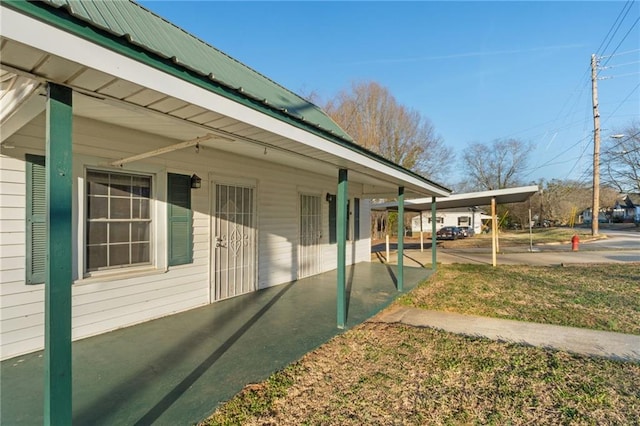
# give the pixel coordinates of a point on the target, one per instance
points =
(177, 369)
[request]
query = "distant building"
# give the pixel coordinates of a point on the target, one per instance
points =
(451, 217)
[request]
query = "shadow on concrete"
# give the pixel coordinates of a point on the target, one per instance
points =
(178, 369)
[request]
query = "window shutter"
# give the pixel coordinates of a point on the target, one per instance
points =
(179, 219)
(333, 236)
(36, 219)
(356, 219)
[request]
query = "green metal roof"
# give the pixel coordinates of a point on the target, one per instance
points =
(129, 29)
(143, 28)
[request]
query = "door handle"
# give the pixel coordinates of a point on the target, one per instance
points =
(220, 242)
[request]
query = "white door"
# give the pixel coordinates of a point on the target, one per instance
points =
(310, 234)
(234, 259)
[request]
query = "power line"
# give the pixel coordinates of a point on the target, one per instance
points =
(620, 65)
(626, 6)
(624, 140)
(621, 103)
(621, 75)
(621, 41)
(620, 54)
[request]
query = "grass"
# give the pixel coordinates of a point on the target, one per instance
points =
(522, 238)
(395, 374)
(602, 297)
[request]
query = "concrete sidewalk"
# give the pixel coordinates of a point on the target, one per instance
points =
(571, 339)
(548, 257)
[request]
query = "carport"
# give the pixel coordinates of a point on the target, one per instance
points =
(470, 199)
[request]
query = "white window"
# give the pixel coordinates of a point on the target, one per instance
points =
(118, 227)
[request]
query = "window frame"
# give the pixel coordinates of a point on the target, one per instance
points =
(152, 221)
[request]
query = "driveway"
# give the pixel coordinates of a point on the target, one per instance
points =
(621, 246)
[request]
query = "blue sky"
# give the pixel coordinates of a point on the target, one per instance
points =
(478, 70)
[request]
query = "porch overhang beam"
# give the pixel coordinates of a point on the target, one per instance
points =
(164, 150)
(21, 102)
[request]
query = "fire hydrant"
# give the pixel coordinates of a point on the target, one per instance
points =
(575, 242)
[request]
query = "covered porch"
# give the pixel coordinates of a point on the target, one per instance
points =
(177, 369)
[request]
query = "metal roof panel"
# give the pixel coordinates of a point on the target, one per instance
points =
(124, 18)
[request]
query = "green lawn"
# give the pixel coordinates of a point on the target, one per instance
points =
(602, 297)
(396, 374)
(381, 374)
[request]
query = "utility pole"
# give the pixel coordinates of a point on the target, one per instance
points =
(595, 207)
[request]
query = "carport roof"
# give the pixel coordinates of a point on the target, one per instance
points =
(469, 199)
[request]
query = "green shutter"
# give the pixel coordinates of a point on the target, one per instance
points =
(36, 219)
(356, 219)
(332, 219)
(180, 219)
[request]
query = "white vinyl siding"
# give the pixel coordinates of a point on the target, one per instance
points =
(113, 299)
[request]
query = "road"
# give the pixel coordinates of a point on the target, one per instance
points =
(617, 239)
(620, 246)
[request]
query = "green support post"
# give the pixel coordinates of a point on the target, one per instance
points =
(434, 237)
(401, 238)
(341, 236)
(57, 346)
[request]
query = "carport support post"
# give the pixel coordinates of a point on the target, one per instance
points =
(401, 238)
(494, 232)
(341, 234)
(57, 308)
(421, 237)
(434, 237)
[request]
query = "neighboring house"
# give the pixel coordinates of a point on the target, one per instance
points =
(627, 209)
(586, 216)
(451, 217)
(192, 178)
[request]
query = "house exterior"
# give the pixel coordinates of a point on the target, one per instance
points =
(627, 209)
(450, 217)
(587, 216)
(182, 176)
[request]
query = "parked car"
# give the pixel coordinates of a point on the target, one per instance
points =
(466, 231)
(448, 233)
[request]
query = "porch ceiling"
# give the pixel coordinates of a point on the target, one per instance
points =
(104, 97)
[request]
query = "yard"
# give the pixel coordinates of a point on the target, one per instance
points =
(395, 374)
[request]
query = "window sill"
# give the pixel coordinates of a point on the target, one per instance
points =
(107, 276)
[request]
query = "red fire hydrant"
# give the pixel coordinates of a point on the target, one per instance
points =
(575, 242)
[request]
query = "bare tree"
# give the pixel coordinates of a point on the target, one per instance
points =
(374, 119)
(497, 165)
(621, 159)
(560, 201)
